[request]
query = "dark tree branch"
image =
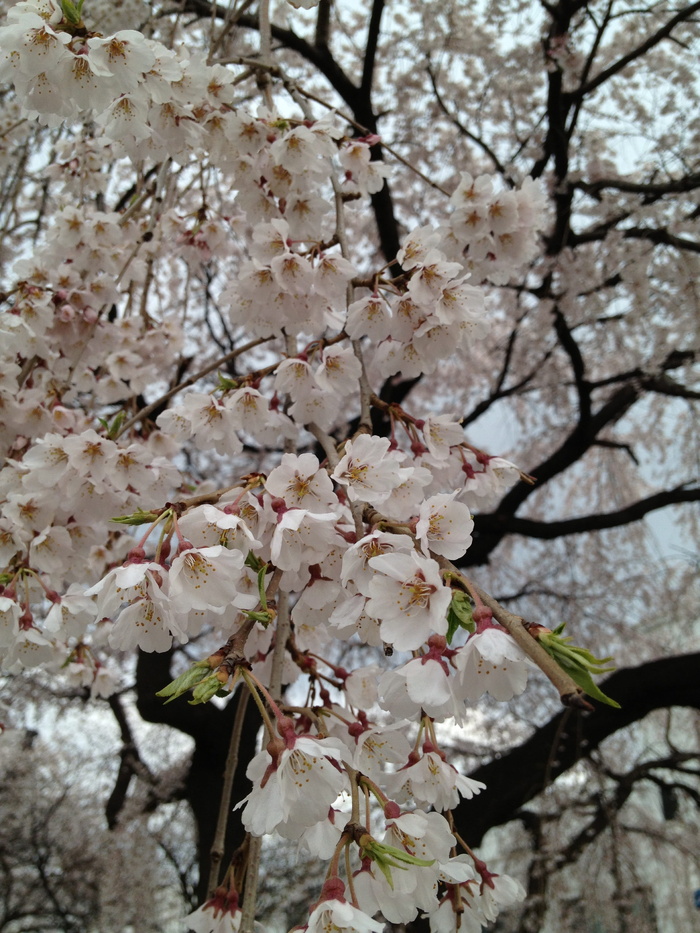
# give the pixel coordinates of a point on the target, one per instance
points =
(357, 99)
(618, 445)
(674, 360)
(129, 764)
(658, 237)
(599, 232)
(323, 25)
(664, 385)
(538, 876)
(317, 55)
(497, 394)
(523, 773)
(663, 33)
(371, 48)
(459, 126)
(530, 528)
(132, 765)
(590, 58)
(626, 784)
(650, 191)
(662, 238)
(210, 727)
(573, 351)
(490, 529)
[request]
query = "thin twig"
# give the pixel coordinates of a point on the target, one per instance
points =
(233, 14)
(221, 361)
(264, 78)
(219, 843)
(275, 687)
(282, 633)
(569, 691)
(327, 442)
(251, 885)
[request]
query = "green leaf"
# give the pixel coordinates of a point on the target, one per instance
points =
(139, 517)
(186, 681)
(254, 562)
(72, 12)
(261, 586)
(264, 617)
(386, 857)
(579, 663)
(587, 684)
(115, 426)
(459, 615)
(205, 690)
(225, 384)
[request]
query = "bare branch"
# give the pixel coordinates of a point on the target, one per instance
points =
(531, 528)
(456, 122)
(663, 33)
(650, 191)
(521, 774)
(371, 47)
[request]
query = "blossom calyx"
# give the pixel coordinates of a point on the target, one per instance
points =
(386, 857)
(579, 663)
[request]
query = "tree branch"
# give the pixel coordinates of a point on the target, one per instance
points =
(531, 528)
(651, 191)
(211, 728)
(371, 48)
(323, 25)
(521, 774)
(459, 126)
(489, 530)
(658, 237)
(663, 33)
(625, 786)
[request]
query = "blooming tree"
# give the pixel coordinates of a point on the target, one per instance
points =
(211, 452)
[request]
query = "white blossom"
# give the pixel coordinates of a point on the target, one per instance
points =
(301, 483)
(444, 526)
(206, 578)
(409, 598)
(341, 917)
(300, 785)
(368, 470)
(491, 662)
(432, 782)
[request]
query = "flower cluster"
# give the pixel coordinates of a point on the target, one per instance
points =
(142, 550)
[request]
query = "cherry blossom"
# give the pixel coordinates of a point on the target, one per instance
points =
(425, 684)
(334, 914)
(302, 536)
(491, 662)
(432, 782)
(444, 526)
(408, 596)
(299, 783)
(219, 914)
(148, 620)
(206, 578)
(367, 470)
(299, 481)
(377, 747)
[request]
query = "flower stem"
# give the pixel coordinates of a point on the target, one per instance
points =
(217, 847)
(569, 691)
